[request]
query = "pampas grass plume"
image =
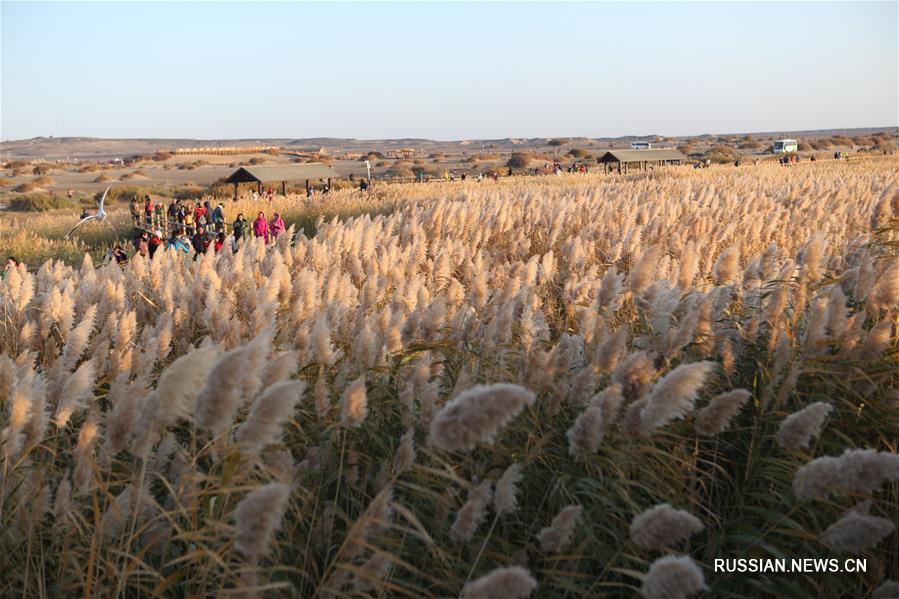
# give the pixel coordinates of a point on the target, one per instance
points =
(258, 516)
(856, 471)
(797, 430)
(672, 577)
(556, 537)
(472, 513)
(505, 501)
(857, 531)
(354, 404)
(268, 413)
(513, 582)
(475, 416)
(716, 416)
(673, 396)
(662, 525)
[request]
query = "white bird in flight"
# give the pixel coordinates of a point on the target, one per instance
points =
(98, 216)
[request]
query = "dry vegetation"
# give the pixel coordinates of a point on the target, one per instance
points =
(573, 386)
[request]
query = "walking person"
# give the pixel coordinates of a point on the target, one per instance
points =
(218, 218)
(134, 207)
(260, 227)
(276, 227)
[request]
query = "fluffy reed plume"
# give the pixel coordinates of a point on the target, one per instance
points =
(727, 267)
(20, 406)
(505, 501)
(609, 402)
(373, 572)
(258, 516)
(268, 413)
(877, 341)
(633, 374)
(672, 577)
(62, 502)
(321, 342)
(224, 390)
(76, 342)
(513, 582)
(405, 453)
(797, 430)
(181, 383)
(321, 395)
(120, 421)
(889, 589)
(715, 417)
(857, 531)
(476, 416)
(87, 438)
(279, 368)
(472, 513)
(354, 404)
(673, 395)
(586, 434)
(856, 471)
(78, 389)
(556, 537)
(885, 295)
(662, 526)
(641, 275)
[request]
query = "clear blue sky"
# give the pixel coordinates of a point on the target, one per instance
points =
(444, 70)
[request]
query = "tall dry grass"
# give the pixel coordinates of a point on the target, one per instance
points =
(570, 386)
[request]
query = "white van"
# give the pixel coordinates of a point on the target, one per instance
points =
(641, 145)
(785, 146)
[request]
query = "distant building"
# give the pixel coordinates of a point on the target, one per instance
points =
(223, 150)
(403, 153)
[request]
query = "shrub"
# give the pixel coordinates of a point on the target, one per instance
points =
(555, 143)
(161, 156)
(273, 151)
(252, 161)
(400, 171)
(721, 154)
(38, 202)
(579, 153)
(90, 168)
(103, 179)
(41, 169)
(519, 160)
(5, 182)
(804, 146)
(42, 181)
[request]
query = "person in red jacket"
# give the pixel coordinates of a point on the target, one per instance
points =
(219, 242)
(260, 227)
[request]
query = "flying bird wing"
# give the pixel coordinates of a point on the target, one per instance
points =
(102, 200)
(81, 222)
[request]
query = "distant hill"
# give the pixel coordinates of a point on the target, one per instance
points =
(102, 148)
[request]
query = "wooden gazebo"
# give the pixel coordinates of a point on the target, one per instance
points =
(640, 158)
(282, 173)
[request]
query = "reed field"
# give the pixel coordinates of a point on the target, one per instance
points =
(576, 386)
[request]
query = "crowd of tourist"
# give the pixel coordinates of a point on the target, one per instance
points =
(191, 229)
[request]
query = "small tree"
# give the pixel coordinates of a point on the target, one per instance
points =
(555, 143)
